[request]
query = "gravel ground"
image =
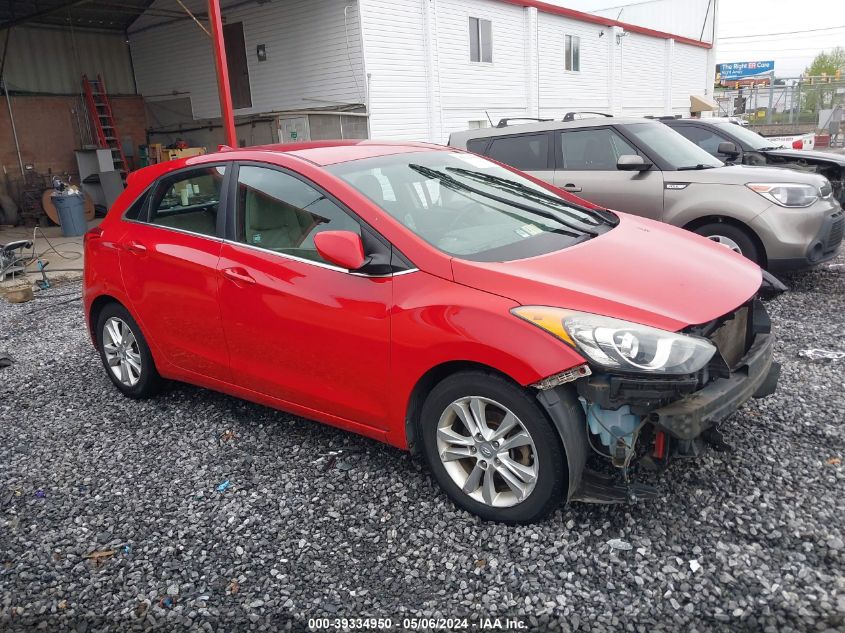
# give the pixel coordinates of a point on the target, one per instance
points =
(110, 516)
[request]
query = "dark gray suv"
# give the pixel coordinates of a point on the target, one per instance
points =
(749, 148)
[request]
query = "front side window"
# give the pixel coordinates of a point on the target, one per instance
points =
(280, 213)
(704, 138)
(526, 152)
(573, 53)
(593, 149)
(480, 40)
(189, 200)
(470, 207)
(673, 149)
(748, 137)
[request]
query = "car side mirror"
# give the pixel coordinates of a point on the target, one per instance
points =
(341, 248)
(728, 149)
(632, 162)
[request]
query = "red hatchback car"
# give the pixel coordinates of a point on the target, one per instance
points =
(434, 300)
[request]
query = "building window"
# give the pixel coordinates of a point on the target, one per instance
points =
(478, 124)
(573, 53)
(480, 40)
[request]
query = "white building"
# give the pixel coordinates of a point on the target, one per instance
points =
(411, 69)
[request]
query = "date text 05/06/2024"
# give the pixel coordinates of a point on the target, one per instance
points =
(416, 624)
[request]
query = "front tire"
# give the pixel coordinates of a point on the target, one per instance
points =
(732, 237)
(492, 449)
(125, 353)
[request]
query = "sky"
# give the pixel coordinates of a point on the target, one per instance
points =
(761, 30)
(746, 30)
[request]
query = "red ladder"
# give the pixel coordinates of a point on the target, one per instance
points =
(100, 113)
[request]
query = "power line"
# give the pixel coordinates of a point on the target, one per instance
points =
(739, 37)
(774, 54)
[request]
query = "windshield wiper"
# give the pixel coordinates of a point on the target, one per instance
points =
(457, 185)
(766, 149)
(498, 181)
(692, 167)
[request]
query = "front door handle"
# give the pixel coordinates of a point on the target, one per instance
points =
(571, 187)
(135, 247)
(238, 275)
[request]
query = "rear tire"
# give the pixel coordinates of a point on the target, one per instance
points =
(510, 469)
(125, 353)
(732, 237)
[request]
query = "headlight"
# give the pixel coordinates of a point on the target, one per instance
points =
(786, 194)
(621, 345)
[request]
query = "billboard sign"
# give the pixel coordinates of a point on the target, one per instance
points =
(744, 70)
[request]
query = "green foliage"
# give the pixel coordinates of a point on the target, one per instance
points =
(827, 63)
(822, 95)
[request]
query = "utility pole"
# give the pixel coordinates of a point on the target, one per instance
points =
(226, 111)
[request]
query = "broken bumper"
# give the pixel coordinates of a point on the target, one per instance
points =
(755, 376)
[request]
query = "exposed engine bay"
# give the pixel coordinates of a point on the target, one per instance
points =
(644, 422)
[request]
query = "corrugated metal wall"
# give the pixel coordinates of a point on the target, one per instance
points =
(313, 50)
(51, 61)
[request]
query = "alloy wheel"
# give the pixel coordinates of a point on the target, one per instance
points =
(726, 242)
(121, 350)
(487, 451)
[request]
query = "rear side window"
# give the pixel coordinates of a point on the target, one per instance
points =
(596, 149)
(527, 152)
(138, 210)
(189, 200)
(477, 145)
(280, 213)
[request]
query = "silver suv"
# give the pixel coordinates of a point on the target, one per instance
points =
(781, 219)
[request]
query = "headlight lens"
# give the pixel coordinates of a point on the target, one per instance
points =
(621, 345)
(786, 194)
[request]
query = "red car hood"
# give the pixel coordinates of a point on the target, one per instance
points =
(642, 271)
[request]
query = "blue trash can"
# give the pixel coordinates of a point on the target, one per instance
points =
(71, 210)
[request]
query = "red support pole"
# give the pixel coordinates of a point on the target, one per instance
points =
(226, 111)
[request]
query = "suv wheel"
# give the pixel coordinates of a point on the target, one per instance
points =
(125, 353)
(492, 448)
(731, 237)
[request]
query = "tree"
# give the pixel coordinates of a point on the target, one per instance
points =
(827, 63)
(822, 95)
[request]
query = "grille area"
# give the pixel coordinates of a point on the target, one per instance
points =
(834, 237)
(731, 337)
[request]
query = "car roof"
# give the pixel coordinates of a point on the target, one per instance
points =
(337, 151)
(545, 126)
(321, 153)
(707, 121)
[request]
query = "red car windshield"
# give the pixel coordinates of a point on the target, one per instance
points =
(470, 207)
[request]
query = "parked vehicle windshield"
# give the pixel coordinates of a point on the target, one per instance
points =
(470, 207)
(676, 151)
(749, 137)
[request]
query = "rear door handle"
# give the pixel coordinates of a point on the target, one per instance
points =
(135, 247)
(238, 275)
(571, 187)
